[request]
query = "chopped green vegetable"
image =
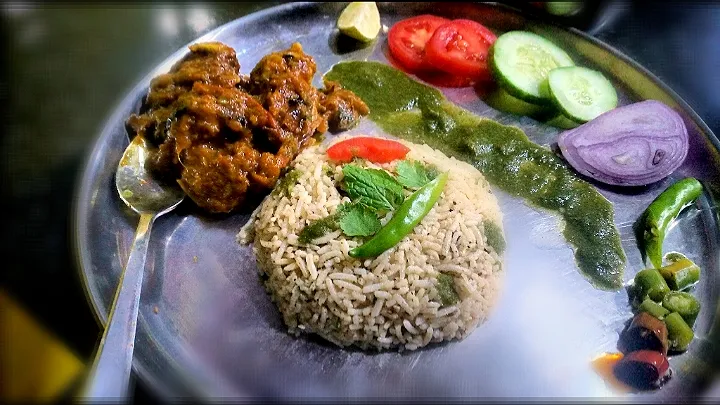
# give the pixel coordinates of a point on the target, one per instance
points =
(681, 273)
(494, 236)
(287, 182)
(649, 283)
(653, 308)
(318, 228)
(358, 220)
(684, 304)
(374, 188)
(679, 333)
(446, 290)
(414, 174)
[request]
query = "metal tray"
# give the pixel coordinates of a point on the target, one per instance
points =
(208, 329)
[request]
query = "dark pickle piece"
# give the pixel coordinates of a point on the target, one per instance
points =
(645, 332)
(643, 370)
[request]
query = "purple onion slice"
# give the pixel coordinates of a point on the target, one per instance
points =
(633, 145)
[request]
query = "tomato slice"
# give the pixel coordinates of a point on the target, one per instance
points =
(378, 150)
(460, 47)
(442, 79)
(407, 39)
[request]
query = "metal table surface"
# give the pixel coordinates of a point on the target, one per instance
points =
(66, 66)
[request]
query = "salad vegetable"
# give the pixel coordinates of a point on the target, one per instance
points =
(662, 211)
(680, 333)
(684, 304)
(460, 47)
(581, 93)
(407, 40)
(377, 150)
(649, 283)
(521, 61)
(653, 308)
(633, 145)
(680, 273)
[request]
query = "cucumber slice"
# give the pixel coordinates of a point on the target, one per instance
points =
(581, 93)
(521, 61)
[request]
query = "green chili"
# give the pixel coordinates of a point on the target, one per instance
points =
(684, 304)
(406, 217)
(662, 211)
(653, 308)
(679, 333)
(650, 284)
(681, 273)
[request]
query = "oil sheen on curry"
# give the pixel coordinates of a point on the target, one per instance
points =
(225, 137)
(411, 110)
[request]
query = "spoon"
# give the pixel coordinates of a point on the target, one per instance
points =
(110, 373)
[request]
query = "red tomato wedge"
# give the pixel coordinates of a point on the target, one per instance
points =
(460, 47)
(407, 39)
(377, 150)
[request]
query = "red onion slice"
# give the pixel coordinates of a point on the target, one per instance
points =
(633, 145)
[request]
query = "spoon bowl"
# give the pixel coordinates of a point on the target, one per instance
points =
(149, 197)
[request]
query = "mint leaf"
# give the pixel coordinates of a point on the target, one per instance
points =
(358, 220)
(374, 188)
(446, 289)
(415, 174)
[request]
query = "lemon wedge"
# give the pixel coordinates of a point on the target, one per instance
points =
(360, 20)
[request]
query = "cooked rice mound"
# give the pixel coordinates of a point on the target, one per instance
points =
(390, 301)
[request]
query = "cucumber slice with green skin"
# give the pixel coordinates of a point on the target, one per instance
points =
(521, 61)
(581, 93)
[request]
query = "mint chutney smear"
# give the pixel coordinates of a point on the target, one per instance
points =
(411, 110)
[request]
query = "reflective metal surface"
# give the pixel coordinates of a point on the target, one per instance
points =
(206, 326)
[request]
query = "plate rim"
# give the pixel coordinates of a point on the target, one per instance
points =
(89, 163)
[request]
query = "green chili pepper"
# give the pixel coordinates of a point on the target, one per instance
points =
(684, 304)
(679, 333)
(650, 284)
(653, 308)
(406, 217)
(680, 273)
(662, 211)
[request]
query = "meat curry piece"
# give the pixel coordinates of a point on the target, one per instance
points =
(225, 137)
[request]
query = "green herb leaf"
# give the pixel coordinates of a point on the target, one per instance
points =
(319, 227)
(446, 289)
(374, 188)
(358, 220)
(494, 236)
(414, 174)
(286, 183)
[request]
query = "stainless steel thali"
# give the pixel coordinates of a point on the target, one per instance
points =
(207, 328)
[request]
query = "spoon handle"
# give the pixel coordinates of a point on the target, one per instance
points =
(110, 374)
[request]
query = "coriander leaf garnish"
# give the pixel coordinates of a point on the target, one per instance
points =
(374, 188)
(358, 220)
(413, 174)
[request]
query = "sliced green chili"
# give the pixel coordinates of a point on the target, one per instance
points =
(662, 211)
(649, 283)
(406, 217)
(679, 333)
(680, 274)
(653, 308)
(684, 304)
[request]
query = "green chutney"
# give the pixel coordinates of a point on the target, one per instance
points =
(410, 110)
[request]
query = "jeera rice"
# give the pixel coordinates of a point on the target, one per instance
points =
(439, 283)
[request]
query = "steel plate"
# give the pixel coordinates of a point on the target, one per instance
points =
(208, 329)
